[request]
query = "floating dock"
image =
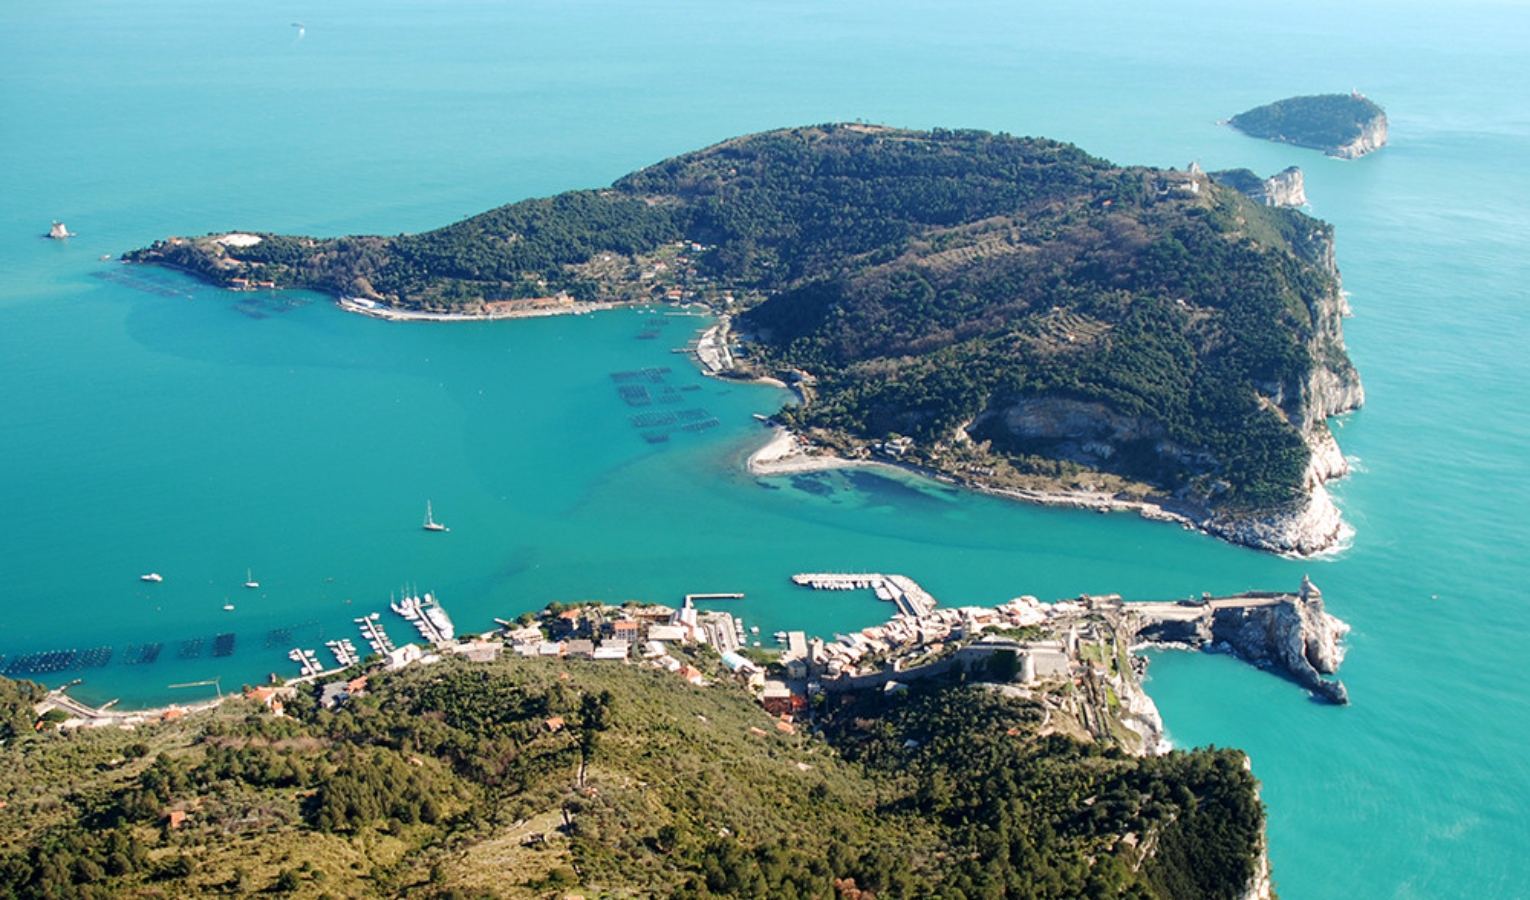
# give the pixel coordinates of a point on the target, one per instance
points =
(428, 618)
(376, 638)
(307, 660)
(344, 651)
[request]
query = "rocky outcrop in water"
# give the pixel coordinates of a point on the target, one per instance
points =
(1297, 636)
(1291, 633)
(1284, 188)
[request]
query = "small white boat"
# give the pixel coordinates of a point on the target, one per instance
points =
(58, 232)
(152, 576)
(249, 579)
(430, 523)
(228, 607)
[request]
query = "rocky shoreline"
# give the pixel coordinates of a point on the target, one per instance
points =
(1316, 528)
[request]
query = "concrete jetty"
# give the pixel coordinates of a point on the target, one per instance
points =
(900, 590)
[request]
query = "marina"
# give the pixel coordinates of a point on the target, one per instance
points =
(900, 590)
(307, 661)
(375, 637)
(344, 651)
(427, 616)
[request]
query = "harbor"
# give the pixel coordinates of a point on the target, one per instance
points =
(899, 590)
(374, 634)
(427, 616)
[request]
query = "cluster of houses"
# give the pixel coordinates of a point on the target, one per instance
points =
(621, 633)
(904, 647)
(930, 632)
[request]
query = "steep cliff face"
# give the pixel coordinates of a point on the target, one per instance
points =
(1259, 885)
(1296, 635)
(1292, 633)
(1312, 527)
(1285, 188)
(1373, 136)
(1083, 431)
(1332, 387)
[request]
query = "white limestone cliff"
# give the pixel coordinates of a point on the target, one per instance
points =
(1373, 136)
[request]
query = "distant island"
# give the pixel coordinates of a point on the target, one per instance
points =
(1009, 313)
(1347, 126)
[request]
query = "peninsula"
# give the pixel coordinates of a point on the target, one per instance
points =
(1010, 313)
(1347, 126)
(643, 751)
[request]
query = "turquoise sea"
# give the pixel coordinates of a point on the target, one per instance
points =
(149, 423)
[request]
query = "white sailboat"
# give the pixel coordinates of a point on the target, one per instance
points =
(430, 523)
(249, 579)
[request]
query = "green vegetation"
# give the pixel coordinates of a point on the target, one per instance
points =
(1323, 122)
(16, 701)
(537, 778)
(930, 282)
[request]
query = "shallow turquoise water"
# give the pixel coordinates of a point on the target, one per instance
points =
(170, 429)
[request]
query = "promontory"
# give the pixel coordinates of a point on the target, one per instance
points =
(1009, 313)
(1344, 125)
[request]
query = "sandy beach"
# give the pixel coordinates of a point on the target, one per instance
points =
(504, 311)
(784, 455)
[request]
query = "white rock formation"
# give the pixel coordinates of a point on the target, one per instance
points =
(1373, 136)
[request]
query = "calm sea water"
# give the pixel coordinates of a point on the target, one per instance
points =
(151, 423)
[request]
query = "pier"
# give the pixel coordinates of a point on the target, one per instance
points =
(900, 590)
(428, 617)
(694, 597)
(344, 651)
(376, 638)
(307, 660)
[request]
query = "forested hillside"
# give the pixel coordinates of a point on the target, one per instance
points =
(936, 285)
(1321, 121)
(544, 778)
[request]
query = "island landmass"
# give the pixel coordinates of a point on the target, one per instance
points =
(1009, 313)
(1346, 126)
